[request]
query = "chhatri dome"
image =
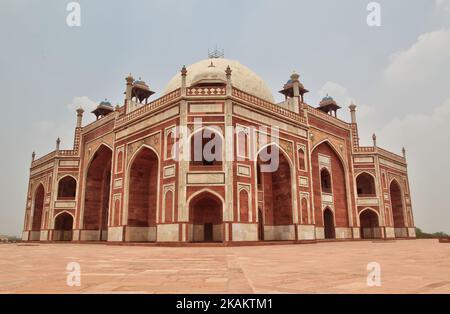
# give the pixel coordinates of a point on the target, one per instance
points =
(212, 71)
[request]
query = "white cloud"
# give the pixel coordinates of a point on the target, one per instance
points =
(337, 91)
(424, 65)
(444, 4)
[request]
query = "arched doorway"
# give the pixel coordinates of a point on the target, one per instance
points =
(97, 191)
(142, 193)
(328, 224)
(275, 192)
(206, 217)
(39, 196)
(368, 220)
(397, 209)
(63, 227)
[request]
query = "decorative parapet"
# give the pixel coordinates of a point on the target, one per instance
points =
(380, 152)
(157, 103)
(67, 152)
(388, 154)
(51, 156)
(206, 91)
(44, 159)
(268, 106)
(364, 149)
(327, 117)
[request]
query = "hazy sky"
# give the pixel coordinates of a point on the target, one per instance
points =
(397, 74)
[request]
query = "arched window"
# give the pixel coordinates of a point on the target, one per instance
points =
(168, 206)
(301, 159)
(365, 185)
(242, 143)
(304, 204)
(119, 162)
(243, 205)
(116, 212)
(67, 188)
(206, 148)
(383, 179)
(170, 142)
(325, 180)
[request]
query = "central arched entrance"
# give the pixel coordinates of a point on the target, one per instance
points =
(206, 217)
(330, 187)
(397, 209)
(63, 227)
(274, 184)
(36, 223)
(96, 199)
(328, 224)
(143, 196)
(368, 220)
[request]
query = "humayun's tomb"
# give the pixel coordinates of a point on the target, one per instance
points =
(193, 166)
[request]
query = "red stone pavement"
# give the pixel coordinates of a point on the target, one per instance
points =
(407, 266)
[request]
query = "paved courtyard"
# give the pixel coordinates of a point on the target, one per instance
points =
(408, 266)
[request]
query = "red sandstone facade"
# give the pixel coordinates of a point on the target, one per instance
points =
(124, 180)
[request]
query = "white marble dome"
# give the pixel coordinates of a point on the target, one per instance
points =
(241, 77)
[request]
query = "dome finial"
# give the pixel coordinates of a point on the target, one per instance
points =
(216, 53)
(129, 79)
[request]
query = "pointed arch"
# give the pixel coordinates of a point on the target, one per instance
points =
(398, 208)
(206, 210)
(329, 223)
(301, 152)
(327, 141)
(67, 187)
(279, 205)
(142, 188)
(169, 205)
(242, 142)
(38, 207)
(195, 154)
(365, 185)
(339, 177)
(369, 221)
(63, 223)
(325, 180)
(244, 202)
(96, 193)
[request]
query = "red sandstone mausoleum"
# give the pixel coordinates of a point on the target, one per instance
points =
(127, 178)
